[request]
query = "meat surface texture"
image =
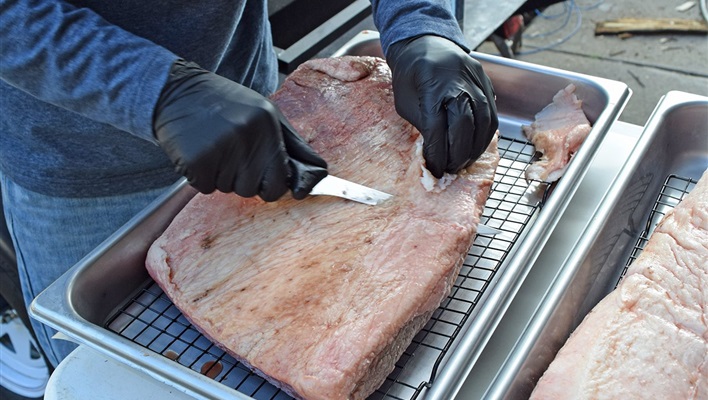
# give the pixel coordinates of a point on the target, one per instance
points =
(649, 337)
(322, 296)
(557, 132)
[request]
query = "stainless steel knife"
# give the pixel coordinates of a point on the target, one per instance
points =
(333, 186)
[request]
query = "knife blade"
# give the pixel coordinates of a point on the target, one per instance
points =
(333, 186)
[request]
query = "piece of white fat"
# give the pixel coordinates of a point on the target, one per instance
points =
(431, 183)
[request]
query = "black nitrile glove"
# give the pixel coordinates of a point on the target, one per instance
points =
(224, 136)
(443, 91)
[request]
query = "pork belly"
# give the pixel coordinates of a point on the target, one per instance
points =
(557, 132)
(322, 296)
(649, 337)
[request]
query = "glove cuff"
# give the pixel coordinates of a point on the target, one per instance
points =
(181, 71)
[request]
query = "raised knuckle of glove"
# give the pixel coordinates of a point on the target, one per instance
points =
(478, 100)
(265, 121)
(473, 64)
(273, 192)
(202, 184)
(245, 185)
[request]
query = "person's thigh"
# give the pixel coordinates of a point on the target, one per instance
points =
(51, 234)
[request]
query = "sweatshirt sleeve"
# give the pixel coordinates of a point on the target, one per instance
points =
(73, 58)
(399, 20)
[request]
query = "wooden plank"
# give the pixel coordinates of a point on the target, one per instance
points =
(651, 25)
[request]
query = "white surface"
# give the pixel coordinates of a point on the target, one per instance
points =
(87, 374)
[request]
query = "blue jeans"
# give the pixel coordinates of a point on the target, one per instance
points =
(51, 234)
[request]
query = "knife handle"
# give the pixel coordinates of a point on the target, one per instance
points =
(303, 177)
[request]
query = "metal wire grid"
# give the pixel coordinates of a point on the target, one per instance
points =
(152, 321)
(673, 191)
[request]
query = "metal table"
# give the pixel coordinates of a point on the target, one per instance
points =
(482, 17)
(478, 18)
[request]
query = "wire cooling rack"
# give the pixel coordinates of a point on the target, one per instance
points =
(152, 321)
(673, 191)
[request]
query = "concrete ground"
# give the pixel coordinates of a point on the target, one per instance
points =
(650, 64)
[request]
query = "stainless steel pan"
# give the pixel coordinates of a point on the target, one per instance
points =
(672, 148)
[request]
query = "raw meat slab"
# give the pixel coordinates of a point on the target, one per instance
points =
(557, 132)
(649, 337)
(322, 296)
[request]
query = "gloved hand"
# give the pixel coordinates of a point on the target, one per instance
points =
(224, 136)
(443, 92)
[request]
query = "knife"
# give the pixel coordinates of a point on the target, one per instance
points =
(333, 186)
